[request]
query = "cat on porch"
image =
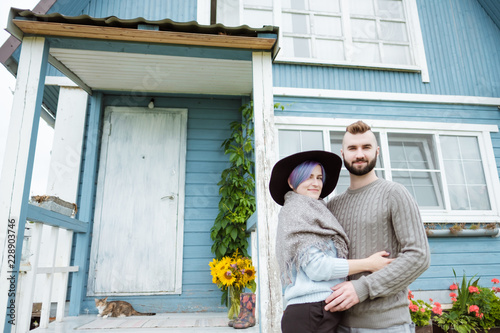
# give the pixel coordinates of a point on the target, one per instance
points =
(116, 309)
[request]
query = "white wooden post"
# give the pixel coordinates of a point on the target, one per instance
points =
(267, 211)
(64, 172)
(18, 162)
(27, 282)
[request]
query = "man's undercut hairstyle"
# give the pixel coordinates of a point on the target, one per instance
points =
(358, 127)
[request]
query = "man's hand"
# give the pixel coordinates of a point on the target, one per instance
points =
(343, 297)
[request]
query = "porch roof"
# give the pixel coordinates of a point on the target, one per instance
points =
(148, 56)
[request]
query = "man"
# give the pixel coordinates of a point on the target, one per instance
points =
(377, 215)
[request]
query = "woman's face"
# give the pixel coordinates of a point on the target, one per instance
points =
(312, 186)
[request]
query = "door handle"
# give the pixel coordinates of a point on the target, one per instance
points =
(169, 197)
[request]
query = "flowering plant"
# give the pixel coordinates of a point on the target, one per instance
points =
(235, 271)
(233, 274)
(421, 311)
(474, 307)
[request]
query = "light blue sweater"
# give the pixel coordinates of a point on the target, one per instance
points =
(314, 279)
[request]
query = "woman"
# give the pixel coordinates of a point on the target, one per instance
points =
(311, 246)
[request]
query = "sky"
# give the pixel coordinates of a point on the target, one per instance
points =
(7, 86)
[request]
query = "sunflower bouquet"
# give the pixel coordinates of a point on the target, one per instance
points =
(232, 275)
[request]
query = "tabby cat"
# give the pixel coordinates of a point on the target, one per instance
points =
(116, 309)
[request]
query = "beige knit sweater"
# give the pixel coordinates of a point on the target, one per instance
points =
(382, 216)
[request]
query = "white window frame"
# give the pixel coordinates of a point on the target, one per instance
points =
(445, 215)
(415, 40)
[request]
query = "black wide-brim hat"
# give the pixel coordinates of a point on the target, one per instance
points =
(278, 185)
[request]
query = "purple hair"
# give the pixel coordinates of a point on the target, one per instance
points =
(302, 172)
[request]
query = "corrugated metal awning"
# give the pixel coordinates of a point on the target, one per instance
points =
(109, 69)
(141, 30)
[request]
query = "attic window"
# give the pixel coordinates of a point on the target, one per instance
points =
(362, 33)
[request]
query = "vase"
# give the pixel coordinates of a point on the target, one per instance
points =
(234, 303)
(424, 329)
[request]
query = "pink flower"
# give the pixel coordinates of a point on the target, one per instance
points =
(473, 289)
(437, 310)
(422, 310)
(453, 295)
(413, 307)
(495, 281)
(430, 299)
(453, 299)
(496, 289)
(474, 308)
(410, 295)
(453, 287)
(437, 304)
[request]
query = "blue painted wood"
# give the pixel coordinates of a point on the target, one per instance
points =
(86, 204)
(38, 214)
(27, 181)
(150, 48)
(461, 44)
(181, 11)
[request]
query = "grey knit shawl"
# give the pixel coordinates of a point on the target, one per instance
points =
(304, 222)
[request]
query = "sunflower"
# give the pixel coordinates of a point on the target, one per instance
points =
(227, 277)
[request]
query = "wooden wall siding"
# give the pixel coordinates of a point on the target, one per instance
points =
(208, 126)
(474, 255)
(493, 9)
(462, 49)
(180, 11)
(69, 8)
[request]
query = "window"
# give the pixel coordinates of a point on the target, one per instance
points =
(380, 33)
(448, 172)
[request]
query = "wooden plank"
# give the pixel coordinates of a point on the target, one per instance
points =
(148, 36)
(267, 211)
(87, 189)
(38, 214)
(18, 165)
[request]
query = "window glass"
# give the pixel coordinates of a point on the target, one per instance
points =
(330, 49)
(257, 2)
(366, 52)
(294, 141)
(396, 54)
(464, 173)
(322, 6)
(327, 26)
(296, 23)
(257, 18)
(393, 31)
(297, 47)
(362, 7)
(366, 29)
(390, 9)
(294, 4)
(414, 164)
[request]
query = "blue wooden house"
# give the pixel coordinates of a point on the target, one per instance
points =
(142, 94)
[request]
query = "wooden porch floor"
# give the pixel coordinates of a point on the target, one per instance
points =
(172, 322)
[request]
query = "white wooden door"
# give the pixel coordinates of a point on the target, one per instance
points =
(138, 222)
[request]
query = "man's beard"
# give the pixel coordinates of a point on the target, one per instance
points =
(361, 172)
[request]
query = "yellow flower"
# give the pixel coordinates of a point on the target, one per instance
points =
(234, 271)
(227, 278)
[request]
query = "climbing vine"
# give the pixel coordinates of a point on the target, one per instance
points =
(237, 187)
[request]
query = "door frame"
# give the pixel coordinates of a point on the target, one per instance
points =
(180, 203)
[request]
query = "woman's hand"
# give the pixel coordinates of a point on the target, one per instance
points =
(378, 260)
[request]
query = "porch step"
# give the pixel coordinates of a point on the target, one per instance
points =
(162, 322)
